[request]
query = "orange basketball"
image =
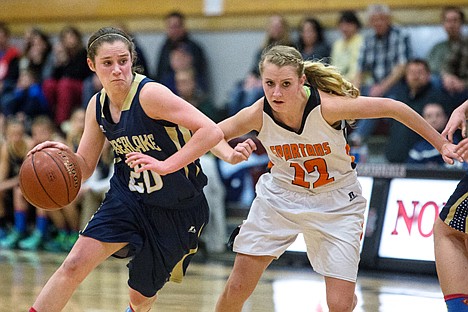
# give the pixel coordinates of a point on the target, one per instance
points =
(50, 178)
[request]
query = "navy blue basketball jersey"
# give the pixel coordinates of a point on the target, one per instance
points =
(136, 132)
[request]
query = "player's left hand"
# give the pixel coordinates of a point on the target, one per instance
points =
(141, 162)
(462, 148)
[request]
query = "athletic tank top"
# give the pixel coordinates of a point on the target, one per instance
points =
(313, 159)
(160, 139)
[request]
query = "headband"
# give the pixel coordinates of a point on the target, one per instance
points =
(109, 34)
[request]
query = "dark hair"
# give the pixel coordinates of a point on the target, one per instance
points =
(4, 28)
(110, 35)
(456, 9)
(177, 14)
(350, 17)
(318, 29)
(419, 61)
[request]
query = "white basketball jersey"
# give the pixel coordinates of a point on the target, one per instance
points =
(315, 159)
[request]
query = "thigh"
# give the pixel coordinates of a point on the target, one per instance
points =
(451, 255)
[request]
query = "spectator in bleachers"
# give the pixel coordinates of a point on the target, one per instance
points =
(42, 129)
(311, 42)
(416, 91)
(9, 61)
(249, 89)
(381, 64)
(187, 88)
(37, 54)
(453, 19)
(177, 33)
(67, 219)
(181, 59)
(455, 71)
(28, 100)
(64, 89)
(9, 65)
(422, 152)
(345, 50)
(384, 54)
(12, 155)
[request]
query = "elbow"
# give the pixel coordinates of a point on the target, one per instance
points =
(218, 134)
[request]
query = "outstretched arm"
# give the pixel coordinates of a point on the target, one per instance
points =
(335, 108)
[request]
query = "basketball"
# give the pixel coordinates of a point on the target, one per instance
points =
(50, 178)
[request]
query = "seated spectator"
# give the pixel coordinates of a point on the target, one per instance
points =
(67, 220)
(345, 50)
(37, 54)
(187, 88)
(28, 99)
(9, 61)
(181, 60)
(416, 91)
(176, 34)
(453, 19)
(455, 71)
(381, 64)
(312, 43)
(64, 90)
(423, 153)
(12, 155)
(384, 54)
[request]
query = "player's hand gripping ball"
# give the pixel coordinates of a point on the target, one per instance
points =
(50, 178)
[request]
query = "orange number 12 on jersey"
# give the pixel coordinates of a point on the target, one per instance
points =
(311, 165)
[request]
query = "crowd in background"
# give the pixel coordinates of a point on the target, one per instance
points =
(46, 84)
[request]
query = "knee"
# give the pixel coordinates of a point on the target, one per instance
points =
(236, 291)
(140, 302)
(73, 269)
(340, 305)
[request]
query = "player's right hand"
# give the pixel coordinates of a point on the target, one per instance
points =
(242, 151)
(46, 144)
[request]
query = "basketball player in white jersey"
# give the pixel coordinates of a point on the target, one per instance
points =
(312, 186)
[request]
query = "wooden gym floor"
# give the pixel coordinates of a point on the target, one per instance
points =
(290, 288)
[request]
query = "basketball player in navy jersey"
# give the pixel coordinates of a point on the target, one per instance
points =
(451, 228)
(312, 187)
(155, 209)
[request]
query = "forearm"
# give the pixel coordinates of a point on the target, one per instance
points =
(201, 142)
(222, 150)
(418, 124)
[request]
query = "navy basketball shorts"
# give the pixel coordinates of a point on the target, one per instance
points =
(455, 211)
(161, 241)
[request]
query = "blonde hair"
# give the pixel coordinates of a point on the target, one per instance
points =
(320, 75)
